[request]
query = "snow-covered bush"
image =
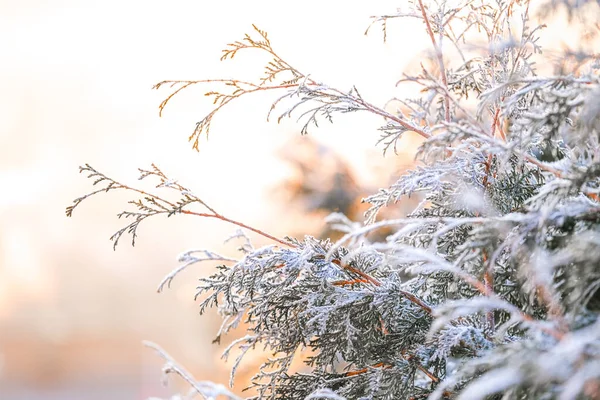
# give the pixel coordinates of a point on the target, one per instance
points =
(488, 289)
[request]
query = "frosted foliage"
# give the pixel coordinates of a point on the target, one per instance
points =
(488, 289)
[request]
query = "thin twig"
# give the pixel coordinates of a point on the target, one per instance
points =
(240, 224)
(367, 369)
(440, 59)
(158, 203)
(188, 260)
(208, 390)
(488, 280)
(365, 277)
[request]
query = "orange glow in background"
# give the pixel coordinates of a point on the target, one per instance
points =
(76, 88)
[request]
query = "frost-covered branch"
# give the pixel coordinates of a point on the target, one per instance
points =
(489, 288)
(208, 390)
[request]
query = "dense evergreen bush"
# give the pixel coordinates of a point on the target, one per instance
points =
(488, 289)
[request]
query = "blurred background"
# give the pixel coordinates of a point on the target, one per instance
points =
(76, 88)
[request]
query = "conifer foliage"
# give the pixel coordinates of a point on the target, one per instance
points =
(489, 289)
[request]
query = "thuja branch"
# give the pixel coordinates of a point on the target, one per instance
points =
(207, 390)
(433, 262)
(412, 359)
(409, 358)
(440, 59)
(366, 278)
(367, 369)
(488, 275)
(238, 223)
(183, 84)
(220, 99)
(356, 271)
(488, 280)
(150, 204)
(280, 75)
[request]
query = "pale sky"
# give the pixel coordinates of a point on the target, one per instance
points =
(76, 88)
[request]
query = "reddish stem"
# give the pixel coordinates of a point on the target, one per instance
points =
(240, 224)
(349, 282)
(358, 272)
(411, 297)
(365, 370)
(440, 59)
(488, 280)
(496, 124)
